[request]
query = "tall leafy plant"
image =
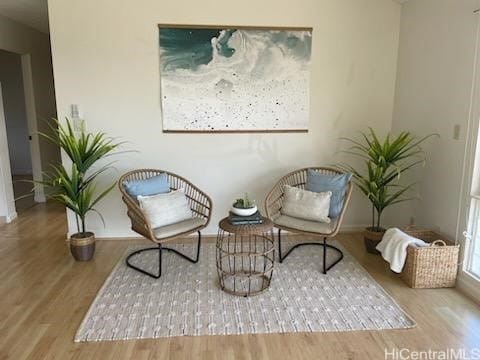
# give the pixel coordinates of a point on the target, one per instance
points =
(75, 187)
(383, 164)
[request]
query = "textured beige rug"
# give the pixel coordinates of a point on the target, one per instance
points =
(187, 300)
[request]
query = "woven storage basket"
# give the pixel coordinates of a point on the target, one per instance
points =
(434, 266)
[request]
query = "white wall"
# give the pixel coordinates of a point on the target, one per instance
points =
(15, 113)
(34, 47)
(435, 74)
(106, 59)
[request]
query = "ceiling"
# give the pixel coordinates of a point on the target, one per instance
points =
(32, 13)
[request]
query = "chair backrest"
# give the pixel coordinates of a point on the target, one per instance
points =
(199, 202)
(298, 178)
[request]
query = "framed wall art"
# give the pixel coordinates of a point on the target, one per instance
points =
(234, 78)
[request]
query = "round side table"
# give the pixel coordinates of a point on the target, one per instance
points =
(245, 257)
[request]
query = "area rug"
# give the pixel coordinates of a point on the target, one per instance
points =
(187, 300)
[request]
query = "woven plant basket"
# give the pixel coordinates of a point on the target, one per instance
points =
(434, 266)
(371, 239)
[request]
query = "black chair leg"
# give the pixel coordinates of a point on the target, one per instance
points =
(322, 244)
(280, 245)
(325, 255)
(160, 248)
(192, 260)
(157, 248)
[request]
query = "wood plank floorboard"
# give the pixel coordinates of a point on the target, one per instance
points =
(44, 295)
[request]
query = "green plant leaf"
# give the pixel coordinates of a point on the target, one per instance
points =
(384, 162)
(76, 188)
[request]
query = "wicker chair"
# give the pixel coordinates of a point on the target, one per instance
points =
(273, 206)
(200, 204)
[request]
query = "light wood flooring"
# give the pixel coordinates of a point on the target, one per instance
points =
(44, 295)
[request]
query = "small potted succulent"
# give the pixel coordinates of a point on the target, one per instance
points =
(244, 206)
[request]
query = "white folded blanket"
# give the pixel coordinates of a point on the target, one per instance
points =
(394, 247)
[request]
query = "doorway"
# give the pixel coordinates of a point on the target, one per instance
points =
(18, 132)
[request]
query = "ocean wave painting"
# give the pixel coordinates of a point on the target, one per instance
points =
(234, 79)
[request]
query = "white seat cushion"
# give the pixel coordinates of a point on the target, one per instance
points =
(178, 228)
(306, 225)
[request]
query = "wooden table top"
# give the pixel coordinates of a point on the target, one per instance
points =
(246, 229)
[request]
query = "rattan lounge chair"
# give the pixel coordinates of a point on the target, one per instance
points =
(200, 204)
(273, 206)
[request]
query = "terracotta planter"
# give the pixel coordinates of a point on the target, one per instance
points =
(371, 239)
(82, 246)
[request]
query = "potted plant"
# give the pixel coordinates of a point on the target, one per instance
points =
(75, 187)
(379, 179)
(244, 206)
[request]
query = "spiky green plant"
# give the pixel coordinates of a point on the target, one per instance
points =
(384, 163)
(244, 203)
(76, 188)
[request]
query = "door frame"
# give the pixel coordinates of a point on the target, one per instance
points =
(32, 125)
(6, 184)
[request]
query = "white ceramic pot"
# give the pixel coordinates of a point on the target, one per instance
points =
(244, 212)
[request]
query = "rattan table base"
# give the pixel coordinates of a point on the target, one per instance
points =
(245, 257)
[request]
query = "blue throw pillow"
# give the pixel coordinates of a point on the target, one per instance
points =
(152, 186)
(318, 182)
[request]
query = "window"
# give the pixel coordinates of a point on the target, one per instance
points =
(471, 258)
(472, 254)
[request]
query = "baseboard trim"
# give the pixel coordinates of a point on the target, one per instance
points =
(352, 229)
(8, 218)
(40, 198)
(135, 238)
(345, 230)
(11, 217)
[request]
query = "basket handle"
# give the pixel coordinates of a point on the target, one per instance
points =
(438, 242)
(411, 227)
